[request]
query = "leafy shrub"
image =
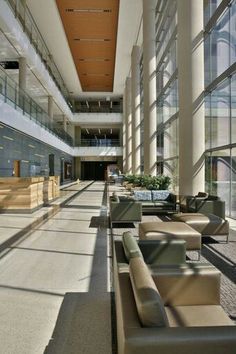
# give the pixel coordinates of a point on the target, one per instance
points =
(159, 182)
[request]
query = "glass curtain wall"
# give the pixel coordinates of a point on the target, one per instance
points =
(141, 115)
(167, 90)
(220, 100)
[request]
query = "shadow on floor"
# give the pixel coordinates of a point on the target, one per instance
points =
(85, 322)
(220, 261)
(99, 221)
(80, 325)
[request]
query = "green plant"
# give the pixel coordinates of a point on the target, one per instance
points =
(159, 182)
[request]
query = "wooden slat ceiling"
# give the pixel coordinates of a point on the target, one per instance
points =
(91, 30)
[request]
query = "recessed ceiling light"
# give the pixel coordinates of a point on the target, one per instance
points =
(7, 137)
(89, 10)
(94, 74)
(92, 39)
(94, 59)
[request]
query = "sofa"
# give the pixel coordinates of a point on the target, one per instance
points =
(158, 201)
(205, 224)
(203, 203)
(124, 210)
(171, 309)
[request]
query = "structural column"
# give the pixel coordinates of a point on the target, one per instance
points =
(50, 107)
(190, 56)
(128, 125)
(124, 133)
(22, 73)
(65, 123)
(135, 77)
(149, 86)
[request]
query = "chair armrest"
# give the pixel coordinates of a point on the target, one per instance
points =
(184, 340)
(163, 252)
(189, 284)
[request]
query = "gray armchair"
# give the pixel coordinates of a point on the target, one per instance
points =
(203, 203)
(124, 210)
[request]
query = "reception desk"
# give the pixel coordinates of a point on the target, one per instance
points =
(26, 194)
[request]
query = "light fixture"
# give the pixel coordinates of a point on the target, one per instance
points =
(88, 10)
(95, 74)
(32, 146)
(92, 39)
(94, 59)
(7, 137)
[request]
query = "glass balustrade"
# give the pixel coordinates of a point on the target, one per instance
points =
(29, 26)
(100, 142)
(20, 100)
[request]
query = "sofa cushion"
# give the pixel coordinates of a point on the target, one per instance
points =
(130, 246)
(160, 195)
(149, 304)
(147, 203)
(163, 203)
(143, 195)
(197, 316)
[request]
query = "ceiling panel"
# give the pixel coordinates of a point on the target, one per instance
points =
(91, 30)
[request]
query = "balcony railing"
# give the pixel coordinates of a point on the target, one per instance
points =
(20, 100)
(29, 26)
(100, 142)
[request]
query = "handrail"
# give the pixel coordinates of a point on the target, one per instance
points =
(29, 26)
(20, 99)
(100, 142)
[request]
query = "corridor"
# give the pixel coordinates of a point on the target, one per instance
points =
(54, 283)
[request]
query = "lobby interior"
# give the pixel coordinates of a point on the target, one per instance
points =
(145, 86)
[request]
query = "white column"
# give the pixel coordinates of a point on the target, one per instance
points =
(135, 77)
(65, 123)
(124, 134)
(50, 107)
(149, 81)
(190, 56)
(22, 73)
(128, 125)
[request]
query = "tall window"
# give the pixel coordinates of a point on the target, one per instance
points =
(220, 100)
(167, 90)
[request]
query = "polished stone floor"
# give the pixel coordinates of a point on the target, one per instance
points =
(55, 274)
(55, 280)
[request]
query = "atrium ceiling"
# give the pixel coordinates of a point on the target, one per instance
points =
(128, 16)
(91, 30)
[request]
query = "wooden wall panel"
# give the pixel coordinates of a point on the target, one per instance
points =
(91, 30)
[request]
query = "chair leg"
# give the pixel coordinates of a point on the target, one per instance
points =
(227, 238)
